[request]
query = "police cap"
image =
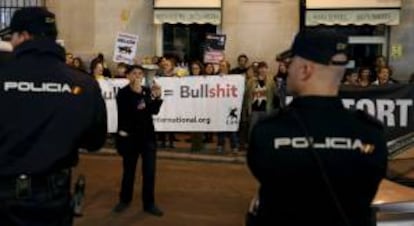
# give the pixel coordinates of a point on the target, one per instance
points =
(318, 45)
(35, 20)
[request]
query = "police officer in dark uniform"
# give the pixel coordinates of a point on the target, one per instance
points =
(317, 163)
(136, 137)
(48, 111)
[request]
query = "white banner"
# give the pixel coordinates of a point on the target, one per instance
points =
(194, 103)
(125, 48)
(109, 89)
(198, 103)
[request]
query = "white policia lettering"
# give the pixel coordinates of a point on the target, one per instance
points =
(37, 88)
(336, 143)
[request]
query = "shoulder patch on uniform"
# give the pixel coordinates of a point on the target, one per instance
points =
(364, 116)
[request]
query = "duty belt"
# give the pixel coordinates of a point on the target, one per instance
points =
(23, 185)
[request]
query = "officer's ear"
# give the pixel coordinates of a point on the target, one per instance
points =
(308, 69)
(25, 35)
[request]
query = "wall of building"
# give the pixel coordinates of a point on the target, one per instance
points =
(76, 24)
(403, 35)
(129, 16)
(259, 28)
(89, 27)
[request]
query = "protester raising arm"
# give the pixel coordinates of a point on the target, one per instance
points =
(136, 137)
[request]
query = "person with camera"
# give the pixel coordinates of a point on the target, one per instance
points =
(136, 137)
(317, 163)
(48, 111)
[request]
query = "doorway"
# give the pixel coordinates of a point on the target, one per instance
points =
(184, 41)
(364, 49)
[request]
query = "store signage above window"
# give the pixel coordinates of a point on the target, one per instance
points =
(185, 16)
(187, 3)
(355, 17)
(335, 4)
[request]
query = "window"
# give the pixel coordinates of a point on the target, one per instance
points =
(8, 7)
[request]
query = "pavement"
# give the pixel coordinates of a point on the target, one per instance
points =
(192, 188)
(182, 151)
(202, 188)
(226, 157)
(201, 193)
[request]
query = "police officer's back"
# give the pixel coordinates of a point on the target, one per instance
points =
(317, 163)
(48, 111)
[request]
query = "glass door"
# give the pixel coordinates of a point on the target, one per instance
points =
(364, 49)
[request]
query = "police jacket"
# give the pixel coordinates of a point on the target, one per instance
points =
(135, 112)
(317, 163)
(48, 111)
(5, 57)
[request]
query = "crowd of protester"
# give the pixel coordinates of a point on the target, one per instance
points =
(263, 91)
(377, 74)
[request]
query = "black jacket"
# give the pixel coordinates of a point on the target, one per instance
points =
(238, 70)
(350, 146)
(48, 111)
(5, 57)
(135, 113)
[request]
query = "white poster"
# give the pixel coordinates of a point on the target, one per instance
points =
(214, 48)
(198, 103)
(125, 48)
(211, 103)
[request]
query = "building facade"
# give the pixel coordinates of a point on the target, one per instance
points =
(374, 27)
(258, 28)
(402, 43)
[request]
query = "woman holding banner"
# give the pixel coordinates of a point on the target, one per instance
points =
(224, 69)
(208, 71)
(169, 69)
(196, 69)
(136, 137)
